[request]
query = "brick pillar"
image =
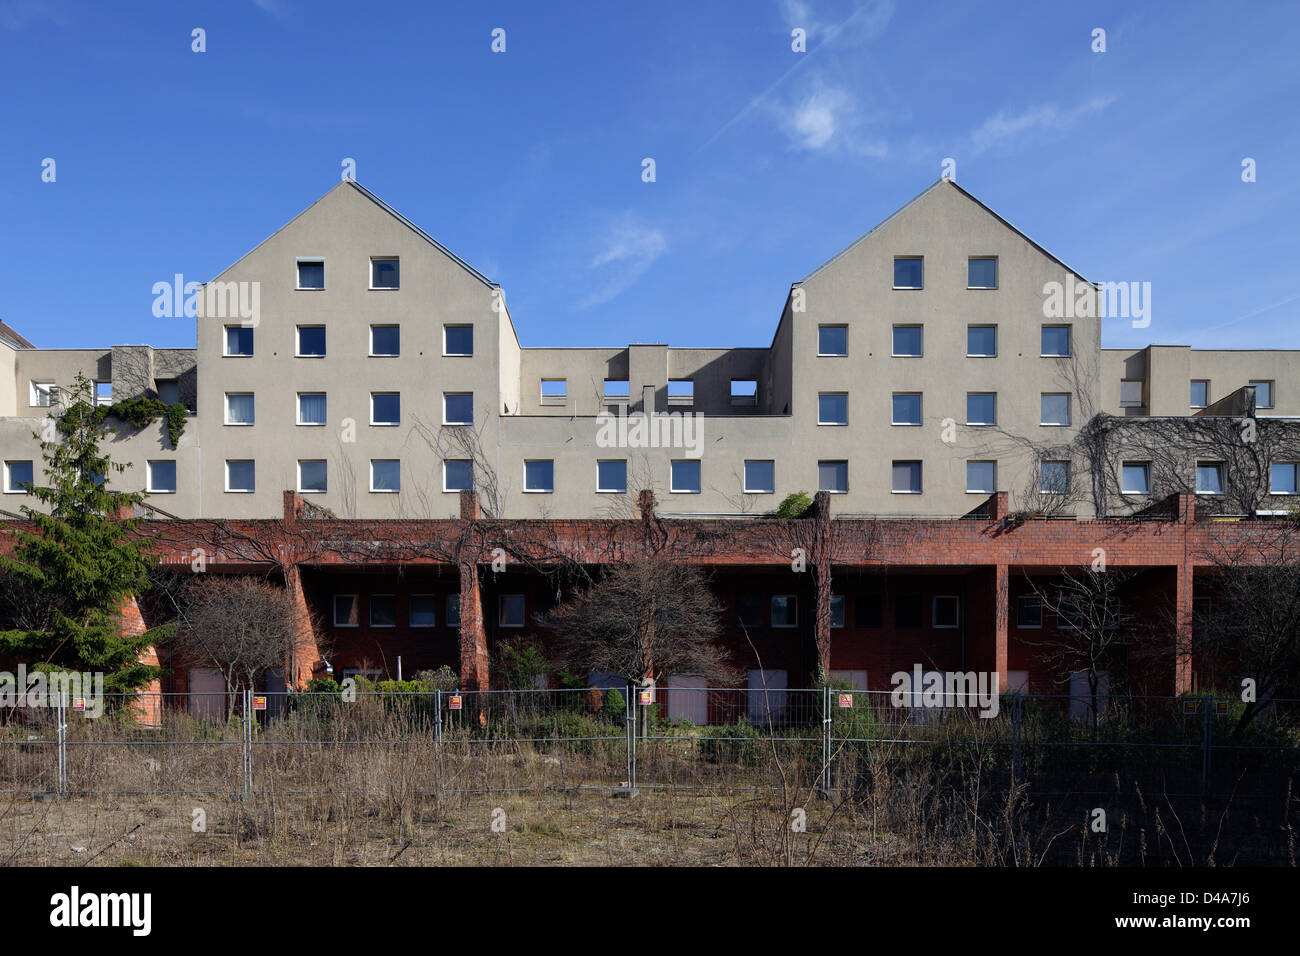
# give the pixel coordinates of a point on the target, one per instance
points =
(147, 706)
(304, 655)
(999, 505)
(1001, 606)
(474, 667)
(646, 505)
(469, 507)
(1183, 627)
(820, 561)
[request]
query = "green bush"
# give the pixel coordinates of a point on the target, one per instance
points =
(615, 703)
(796, 505)
(730, 743)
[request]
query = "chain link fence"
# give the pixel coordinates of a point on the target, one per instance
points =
(695, 738)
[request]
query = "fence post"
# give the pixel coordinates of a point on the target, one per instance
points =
(247, 746)
(60, 720)
(437, 738)
(629, 725)
(826, 739)
(1017, 709)
(1207, 744)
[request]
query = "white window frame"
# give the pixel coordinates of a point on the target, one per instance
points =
(988, 424)
(370, 274)
(149, 484)
(1147, 471)
(445, 396)
(893, 274)
(240, 491)
(906, 325)
(1069, 411)
(39, 387)
(982, 325)
(920, 475)
(253, 396)
(1206, 383)
(1069, 340)
(18, 461)
(539, 491)
(744, 476)
(832, 325)
(385, 325)
(981, 491)
(1272, 389)
(920, 417)
(1054, 461)
(298, 410)
(1295, 478)
(386, 424)
(997, 274)
(385, 491)
(445, 462)
(225, 341)
(672, 476)
(1128, 402)
(611, 461)
(833, 461)
(1222, 468)
(820, 396)
(298, 262)
(313, 491)
(297, 340)
(457, 325)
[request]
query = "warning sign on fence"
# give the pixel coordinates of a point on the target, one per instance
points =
(1221, 707)
(454, 702)
(1191, 707)
(78, 703)
(646, 697)
(846, 700)
(259, 703)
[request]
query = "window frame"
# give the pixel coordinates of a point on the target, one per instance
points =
(371, 274)
(1221, 471)
(240, 491)
(8, 489)
(832, 325)
(385, 424)
(993, 420)
(1295, 478)
(1146, 471)
(448, 461)
(225, 341)
(226, 410)
(298, 420)
(1141, 399)
(297, 340)
(982, 325)
(356, 608)
(299, 483)
(832, 424)
(1272, 389)
(1069, 339)
(385, 491)
(920, 409)
(1069, 411)
(149, 482)
(997, 274)
(893, 340)
(934, 612)
(672, 476)
(894, 274)
(457, 325)
(447, 395)
(744, 476)
(833, 461)
(501, 612)
(1053, 461)
(539, 491)
(611, 461)
(920, 474)
(410, 610)
(371, 353)
(793, 607)
(298, 263)
(370, 612)
(1200, 381)
(982, 491)
(1023, 601)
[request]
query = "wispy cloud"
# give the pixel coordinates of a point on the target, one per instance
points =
(625, 252)
(826, 117)
(1001, 129)
(16, 14)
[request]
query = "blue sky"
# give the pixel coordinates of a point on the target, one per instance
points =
(1125, 164)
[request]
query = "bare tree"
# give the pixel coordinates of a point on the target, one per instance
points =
(241, 626)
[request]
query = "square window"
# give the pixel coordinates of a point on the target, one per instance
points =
(385, 475)
(1263, 394)
(161, 478)
(1209, 477)
(103, 393)
(868, 610)
(453, 610)
(611, 477)
(907, 272)
(539, 476)
(907, 341)
(239, 408)
(685, 477)
(1135, 477)
(833, 476)
(241, 476)
(1200, 393)
(1056, 341)
(1282, 478)
(945, 613)
(785, 610)
(458, 408)
(311, 273)
(239, 340)
(1130, 393)
(511, 610)
(385, 408)
(981, 272)
(837, 610)
(906, 478)
(311, 341)
(345, 610)
(832, 408)
(832, 340)
(618, 389)
(169, 391)
(1029, 611)
(749, 611)
(981, 477)
(1055, 408)
(457, 475)
(458, 340)
(744, 391)
(18, 476)
(760, 477)
(909, 611)
(423, 610)
(383, 610)
(42, 395)
(981, 408)
(555, 391)
(311, 408)
(385, 340)
(681, 391)
(982, 341)
(906, 408)
(1054, 477)
(384, 273)
(313, 476)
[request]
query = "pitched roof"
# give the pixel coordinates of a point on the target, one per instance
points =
(937, 184)
(11, 338)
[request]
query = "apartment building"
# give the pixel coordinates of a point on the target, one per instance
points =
(915, 373)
